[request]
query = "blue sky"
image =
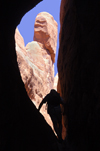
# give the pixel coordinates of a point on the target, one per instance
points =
(26, 26)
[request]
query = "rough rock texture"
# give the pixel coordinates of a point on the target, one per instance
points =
(45, 32)
(37, 71)
(43, 68)
(35, 62)
(19, 40)
(79, 72)
(22, 127)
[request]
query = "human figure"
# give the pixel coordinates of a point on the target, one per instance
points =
(54, 100)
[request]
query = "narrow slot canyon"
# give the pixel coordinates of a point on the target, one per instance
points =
(23, 70)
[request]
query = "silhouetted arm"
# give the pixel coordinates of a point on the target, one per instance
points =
(43, 101)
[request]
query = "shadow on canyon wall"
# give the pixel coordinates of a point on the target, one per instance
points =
(79, 72)
(21, 125)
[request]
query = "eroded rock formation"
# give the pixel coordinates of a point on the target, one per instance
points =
(45, 32)
(36, 62)
(79, 72)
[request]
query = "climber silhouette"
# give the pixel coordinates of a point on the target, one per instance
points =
(54, 100)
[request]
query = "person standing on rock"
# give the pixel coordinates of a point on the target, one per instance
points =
(54, 100)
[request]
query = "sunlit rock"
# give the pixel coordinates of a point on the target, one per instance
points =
(45, 32)
(36, 64)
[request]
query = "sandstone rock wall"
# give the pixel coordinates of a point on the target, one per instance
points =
(35, 61)
(79, 72)
(45, 32)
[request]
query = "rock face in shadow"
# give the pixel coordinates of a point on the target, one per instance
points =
(22, 127)
(79, 72)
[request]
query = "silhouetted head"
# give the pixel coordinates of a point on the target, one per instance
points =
(53, 98)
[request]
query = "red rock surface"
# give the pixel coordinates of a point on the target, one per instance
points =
(19, 40)
(79, 72)
(45, 32)
(36, 64)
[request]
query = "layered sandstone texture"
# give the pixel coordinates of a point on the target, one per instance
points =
(79, 72)
(45, 32)
(36, 60)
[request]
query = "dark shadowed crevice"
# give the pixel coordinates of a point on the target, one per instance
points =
(22, 126)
